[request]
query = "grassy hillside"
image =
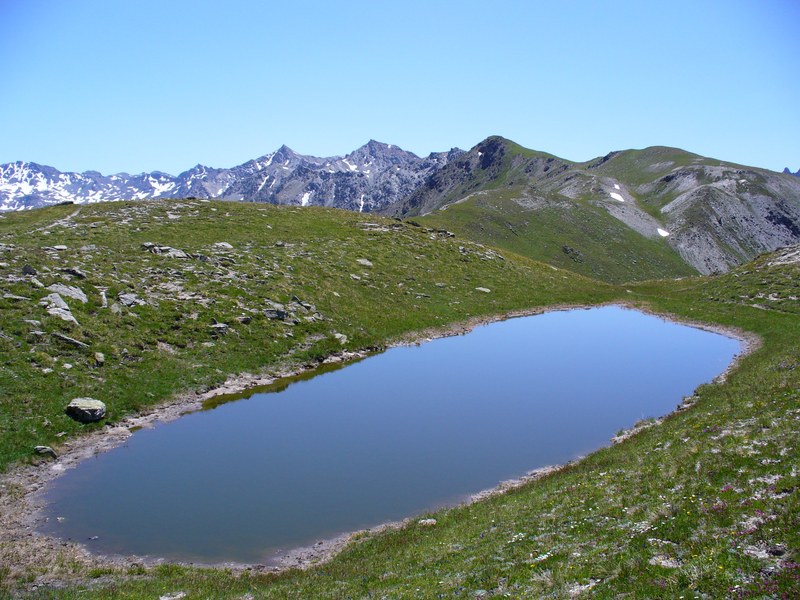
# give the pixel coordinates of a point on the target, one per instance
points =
(703, 504)
(194, 320)
(571, 234)
(637, 167)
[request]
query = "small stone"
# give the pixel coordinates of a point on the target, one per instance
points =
(427, 522)
(280, 244)
(29, 270)
(99, 359)
(45, 450)
(355, 277)
(223, 246)
(342, 338)
(667, 562)
(86, 410)
(130, 299)
(165, 347)
(60, 247)
(364, 262)
(75, 272)
(69, 340)
(483, 289)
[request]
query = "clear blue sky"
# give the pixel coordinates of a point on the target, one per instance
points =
(117, 85)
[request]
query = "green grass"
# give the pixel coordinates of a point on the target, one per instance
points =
(705, 504)
(570, 234)
(637, 167)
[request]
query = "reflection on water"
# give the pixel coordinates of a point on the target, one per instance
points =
(385, 438)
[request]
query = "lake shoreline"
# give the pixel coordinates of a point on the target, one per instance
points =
(21, 499)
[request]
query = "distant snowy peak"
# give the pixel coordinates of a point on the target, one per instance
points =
(368, 178)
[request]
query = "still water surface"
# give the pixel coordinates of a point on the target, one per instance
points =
(382, 439)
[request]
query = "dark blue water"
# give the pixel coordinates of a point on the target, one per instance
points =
(384, 438)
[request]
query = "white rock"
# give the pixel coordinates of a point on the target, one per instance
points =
(660, 560)
(56, 306)
(69, 291)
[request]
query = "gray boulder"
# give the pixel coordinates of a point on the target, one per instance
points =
(46, 451)
(69, 291)
(86, 410)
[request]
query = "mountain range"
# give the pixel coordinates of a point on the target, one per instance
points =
(633, 214)
(628, 214)
(368, 178)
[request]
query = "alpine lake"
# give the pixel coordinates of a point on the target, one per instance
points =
(385, 438)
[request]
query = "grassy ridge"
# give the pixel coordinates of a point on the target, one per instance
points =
(704, 504)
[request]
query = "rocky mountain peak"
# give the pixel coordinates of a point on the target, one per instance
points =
(384, 153)
(285, 153)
